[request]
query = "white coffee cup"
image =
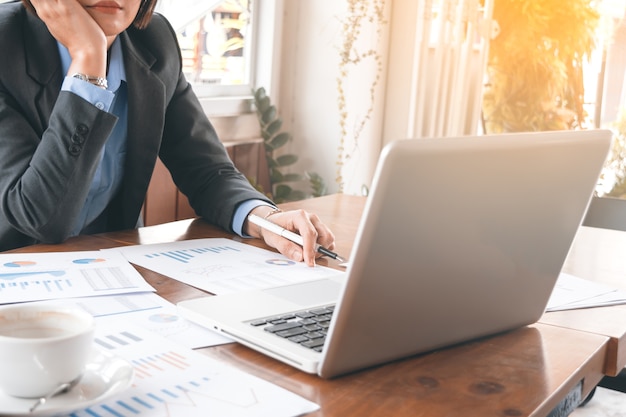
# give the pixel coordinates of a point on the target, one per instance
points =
(42, 346)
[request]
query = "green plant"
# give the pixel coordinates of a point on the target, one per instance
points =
(274, 139)
(535, 66)
(318, 185)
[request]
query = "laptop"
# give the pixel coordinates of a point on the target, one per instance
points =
(460, 238)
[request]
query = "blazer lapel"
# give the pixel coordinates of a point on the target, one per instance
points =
(146, 115)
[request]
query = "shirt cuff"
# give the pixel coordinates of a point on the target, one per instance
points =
(97, 96)
(242, 212)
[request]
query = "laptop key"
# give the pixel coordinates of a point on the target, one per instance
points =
(281, 327)
(324, 324)
(319, 311)
(290, 332)
(324, 317)
(298, 339)
(313, 343)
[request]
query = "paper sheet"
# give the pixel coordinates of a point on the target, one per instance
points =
(572, 292)
(152, 312)
(221, 266)
(173, 381)
(46, 276)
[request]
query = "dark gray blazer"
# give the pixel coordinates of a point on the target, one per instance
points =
(50, 140)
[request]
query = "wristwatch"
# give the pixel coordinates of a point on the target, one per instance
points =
(97, 81)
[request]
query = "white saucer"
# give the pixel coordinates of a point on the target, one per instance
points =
(105, 375)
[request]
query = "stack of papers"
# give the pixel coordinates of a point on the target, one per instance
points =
(138, 326)
(572, 293)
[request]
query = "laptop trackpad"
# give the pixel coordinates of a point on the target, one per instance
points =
(322, 291)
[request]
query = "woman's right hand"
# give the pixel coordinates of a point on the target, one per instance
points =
(74, 28)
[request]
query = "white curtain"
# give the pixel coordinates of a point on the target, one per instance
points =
(438, 58)
(435, 59)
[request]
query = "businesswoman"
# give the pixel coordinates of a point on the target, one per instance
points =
(91, 93)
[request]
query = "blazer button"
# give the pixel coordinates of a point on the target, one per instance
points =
(74, 149)
(78, 139)
(82, 129)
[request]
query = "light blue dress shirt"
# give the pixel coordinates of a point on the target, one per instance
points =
(108, 176)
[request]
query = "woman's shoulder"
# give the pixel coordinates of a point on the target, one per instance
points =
(12, 15)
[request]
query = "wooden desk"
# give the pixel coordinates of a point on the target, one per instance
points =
(598, 255)
(526, 372)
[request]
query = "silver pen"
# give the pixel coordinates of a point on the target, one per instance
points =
(288, 234)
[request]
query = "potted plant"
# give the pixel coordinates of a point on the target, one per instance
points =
(274, 139)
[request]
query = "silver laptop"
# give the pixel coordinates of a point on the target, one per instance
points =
(460, 238)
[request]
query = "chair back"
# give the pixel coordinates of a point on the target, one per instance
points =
(606, 213)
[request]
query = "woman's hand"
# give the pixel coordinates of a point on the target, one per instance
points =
(74, 28)
(307, 225)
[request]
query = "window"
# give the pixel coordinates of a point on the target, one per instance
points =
(225, 54)
(605, 93)
(215, 40)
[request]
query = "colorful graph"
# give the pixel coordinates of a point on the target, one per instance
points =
(163, 318)
(185, 255)
(148, 366)
(280, 262)
(20, 264)
(86, 261)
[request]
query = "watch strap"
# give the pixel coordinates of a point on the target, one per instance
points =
(97, 81)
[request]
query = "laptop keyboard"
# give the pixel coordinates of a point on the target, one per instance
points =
(307, 328)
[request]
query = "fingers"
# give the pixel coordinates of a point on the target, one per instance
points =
(71, 25)
(325, 236)
(302, 224)
(309, 226)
